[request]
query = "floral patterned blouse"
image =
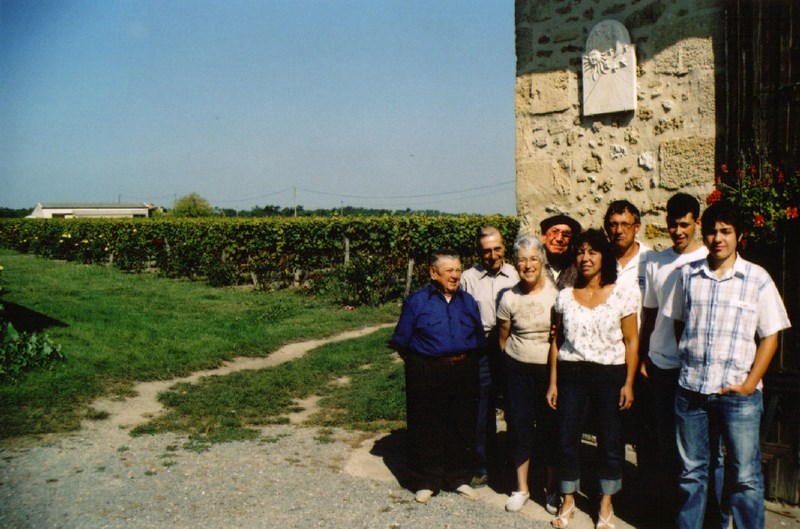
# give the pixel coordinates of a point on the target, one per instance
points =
(595, 335)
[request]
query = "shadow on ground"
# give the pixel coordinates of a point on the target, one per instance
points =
(641, 502)
(27, 320)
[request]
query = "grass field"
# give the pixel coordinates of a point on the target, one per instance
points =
(117, 328)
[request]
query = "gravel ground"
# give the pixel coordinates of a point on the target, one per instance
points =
(291, 477)
(286, 479)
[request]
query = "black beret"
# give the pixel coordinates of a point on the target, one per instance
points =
(549, 222)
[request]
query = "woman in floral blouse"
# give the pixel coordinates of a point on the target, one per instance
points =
(593, 359)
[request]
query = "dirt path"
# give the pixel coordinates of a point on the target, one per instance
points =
(131, 412)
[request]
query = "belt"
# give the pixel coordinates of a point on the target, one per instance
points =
(451, 359)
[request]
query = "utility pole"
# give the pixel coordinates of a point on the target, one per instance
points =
(294, 199)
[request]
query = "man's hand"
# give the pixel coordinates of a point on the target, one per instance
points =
(643, 369)
(741, 389)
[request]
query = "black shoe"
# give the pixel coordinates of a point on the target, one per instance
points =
(480, 480)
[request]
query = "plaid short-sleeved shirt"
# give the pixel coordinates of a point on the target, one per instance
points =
(722, 317)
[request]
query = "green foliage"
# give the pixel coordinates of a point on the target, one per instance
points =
(119, 328)
(191, 206)
(23, 351)
(766, 199)
(268, 251)
(11, 213)
(363, 281)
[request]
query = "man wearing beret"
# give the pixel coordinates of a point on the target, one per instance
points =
(557, 234)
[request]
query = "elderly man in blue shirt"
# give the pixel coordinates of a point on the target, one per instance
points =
(439, 335)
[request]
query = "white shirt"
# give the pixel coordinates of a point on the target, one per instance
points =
(662, 271)
(595, 335)
(632, 275)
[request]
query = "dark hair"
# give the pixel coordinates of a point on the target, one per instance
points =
(446, 253)
(621, 206)
(720, 211)
(598, 241)
(681, 204)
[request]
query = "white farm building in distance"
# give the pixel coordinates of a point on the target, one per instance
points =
(99, 210)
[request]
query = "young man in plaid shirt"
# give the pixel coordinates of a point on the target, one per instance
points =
(719, 305)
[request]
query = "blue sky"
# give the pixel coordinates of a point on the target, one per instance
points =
(388, 104)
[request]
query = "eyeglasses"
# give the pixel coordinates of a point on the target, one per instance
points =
(624, 225)
(555, 232)
(528, 260)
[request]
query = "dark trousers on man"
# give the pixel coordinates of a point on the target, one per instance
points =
(441, 408)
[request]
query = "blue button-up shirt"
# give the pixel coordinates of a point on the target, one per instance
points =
(430, 326)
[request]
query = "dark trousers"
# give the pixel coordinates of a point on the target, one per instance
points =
(664, 383)
(583, 386)
(492, 383)
(531, 422)
(441, 409)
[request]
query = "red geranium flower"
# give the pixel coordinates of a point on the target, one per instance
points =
(791, 213)
(781, 178)
(752, 170)
(713, 197)
(724, 167)
(758, 220)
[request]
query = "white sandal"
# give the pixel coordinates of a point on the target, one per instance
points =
(564, 517)
(605, 523)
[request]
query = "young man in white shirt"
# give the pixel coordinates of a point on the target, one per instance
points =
(721, 304)
(658, 348)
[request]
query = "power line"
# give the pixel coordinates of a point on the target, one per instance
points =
(425, 195)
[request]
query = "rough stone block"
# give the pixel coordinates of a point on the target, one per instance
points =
(686, 162)
(544, 93)
(539, 179)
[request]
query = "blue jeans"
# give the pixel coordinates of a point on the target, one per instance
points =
(702, 421)
(583, 386)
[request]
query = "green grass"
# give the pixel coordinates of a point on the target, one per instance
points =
(117, 328)
(228, 407)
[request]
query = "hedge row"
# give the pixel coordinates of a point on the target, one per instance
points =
(265, 250)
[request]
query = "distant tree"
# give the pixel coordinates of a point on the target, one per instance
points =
(192, 205)
(10, 213)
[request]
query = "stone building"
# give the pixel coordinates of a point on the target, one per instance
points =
(668, 135)
(638, 99)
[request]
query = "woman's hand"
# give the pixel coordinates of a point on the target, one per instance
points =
(552, 396)
(626, 397)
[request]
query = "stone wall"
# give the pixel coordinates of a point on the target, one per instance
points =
(576, 164)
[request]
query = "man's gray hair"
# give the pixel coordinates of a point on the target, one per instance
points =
(435, 255)
(488, 231)
(529, 242)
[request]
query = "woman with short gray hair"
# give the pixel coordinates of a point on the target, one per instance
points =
(523, 320)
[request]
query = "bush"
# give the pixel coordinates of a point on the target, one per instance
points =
(21, 352)
(363, 281)
(219, 274)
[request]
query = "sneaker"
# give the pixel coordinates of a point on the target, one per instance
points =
(468, 492)
(516, 501)
(423, 495)
(552, 501)
(479, 480)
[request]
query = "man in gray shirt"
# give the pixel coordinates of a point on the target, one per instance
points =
(486, 282)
